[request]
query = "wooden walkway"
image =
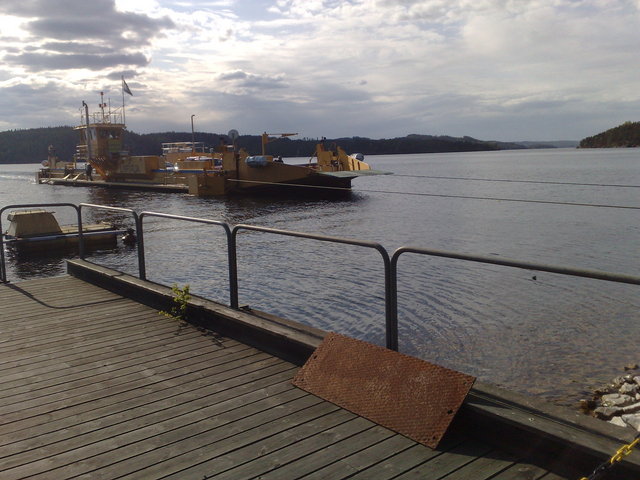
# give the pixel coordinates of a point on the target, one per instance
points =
(97, 386)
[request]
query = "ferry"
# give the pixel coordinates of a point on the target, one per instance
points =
(190, 167)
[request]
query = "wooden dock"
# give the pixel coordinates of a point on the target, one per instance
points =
(96, 385)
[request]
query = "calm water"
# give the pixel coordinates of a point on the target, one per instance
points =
(553, 336)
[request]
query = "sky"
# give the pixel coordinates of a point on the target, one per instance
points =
(504, 70)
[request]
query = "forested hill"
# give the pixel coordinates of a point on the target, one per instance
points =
(625, 135)
(30, 145)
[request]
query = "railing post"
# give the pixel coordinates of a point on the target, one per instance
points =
(233, 269)
(392, 305)
(142, 269)
(3, 268)
(81, 248)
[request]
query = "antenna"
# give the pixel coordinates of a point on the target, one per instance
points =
(102, 105)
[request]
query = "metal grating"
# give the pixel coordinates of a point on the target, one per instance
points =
(410, 396)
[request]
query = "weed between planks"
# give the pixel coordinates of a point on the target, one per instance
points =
(181, 299)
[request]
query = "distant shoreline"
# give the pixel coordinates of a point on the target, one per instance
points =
(30, 145)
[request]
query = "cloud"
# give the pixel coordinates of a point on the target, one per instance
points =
(238, 81)
(377, 68)
(44, 104)
(74, 34)
(37, 62)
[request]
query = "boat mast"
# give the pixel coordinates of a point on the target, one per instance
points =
(88, 133)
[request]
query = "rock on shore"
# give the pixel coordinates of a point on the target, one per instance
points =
(618, 402)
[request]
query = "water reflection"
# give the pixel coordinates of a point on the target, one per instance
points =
(30, 263)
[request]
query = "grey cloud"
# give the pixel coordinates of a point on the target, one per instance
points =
(120, 73)
(327, 93)
(237, 75)
(58, 8)
(31, 107)
(12, 50)
(71, 48)
(83, 31)
(115, 28)
(38, 62)
(241, 79)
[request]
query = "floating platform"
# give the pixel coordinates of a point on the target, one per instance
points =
(98, 385)
(152, 187)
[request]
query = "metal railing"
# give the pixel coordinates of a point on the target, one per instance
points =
(138, 225)
(231, 251)
(505, 262)
(390, 263)
(391, 333)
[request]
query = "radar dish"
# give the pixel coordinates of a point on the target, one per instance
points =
(233, 135)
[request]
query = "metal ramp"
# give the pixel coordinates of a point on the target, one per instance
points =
(405, 394)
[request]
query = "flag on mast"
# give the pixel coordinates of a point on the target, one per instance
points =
(125, 87)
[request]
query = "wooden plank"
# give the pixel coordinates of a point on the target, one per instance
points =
(206, 355)
(127, 400)
(484, 467)
(555, 476)
(35, 318)
(108, 390)
(246, 447)
(313, 453)
(87, 382)
(108, 347)
(105, 347)
(57, 299)
(147, 445)
(82, 366)
(449, 461)
(21, 308)
(57, 340)
(63, 372)
(74, 324)
(523, 470)
(115, 419)
(75, 440)
(47, 285)
(54, 295)
(407, 459)
(81, 340)
(125, 392)
(356, 462)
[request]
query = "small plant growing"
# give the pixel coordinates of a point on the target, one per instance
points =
(181, 299)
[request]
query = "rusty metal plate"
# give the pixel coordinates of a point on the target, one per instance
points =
(405, 394)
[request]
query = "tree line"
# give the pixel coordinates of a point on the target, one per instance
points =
(625, 135)
(30, 145)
